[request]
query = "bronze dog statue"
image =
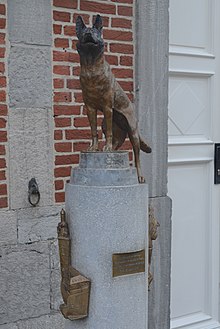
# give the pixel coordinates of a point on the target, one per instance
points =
(101, 92)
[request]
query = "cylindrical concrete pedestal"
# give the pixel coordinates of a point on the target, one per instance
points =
(107, 211)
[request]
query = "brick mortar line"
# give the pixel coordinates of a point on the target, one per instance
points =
(108, 42)
(63, 103)
(74, 116)
(65, 89)
(74, 77)
(69, 24)
(71, 64)
(89, 12)
(76, 64)
(72, 12)
(61, 77)
(109, 27)
(74, 38)
(75, 129)
(77, 90)
(110, 3)
(99, 116)
(71, 142)
(70, 90)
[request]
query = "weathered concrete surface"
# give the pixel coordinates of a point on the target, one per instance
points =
(159, 295)
(113, 220)
(8, 225)
(18, 264)
(29, 21)
(39, 212)
(56, 298)
(55, 321)
(30, 100)
(152, 27)
(25, 270)
(152, 89)
(24, 282)
(37, 224)
(30, 155)
(9, 326)
(93, 166)
(30, 77)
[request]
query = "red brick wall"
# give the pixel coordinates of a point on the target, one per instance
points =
(72, 133)
(3, 110)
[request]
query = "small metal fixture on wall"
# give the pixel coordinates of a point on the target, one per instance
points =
(33, 192)
(153, 226)
(75, 288)
(217, 164)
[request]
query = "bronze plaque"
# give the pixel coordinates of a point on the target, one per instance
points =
(128, 263)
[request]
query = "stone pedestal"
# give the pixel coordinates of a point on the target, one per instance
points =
(107, 212)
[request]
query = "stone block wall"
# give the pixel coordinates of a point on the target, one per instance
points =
(29, 267)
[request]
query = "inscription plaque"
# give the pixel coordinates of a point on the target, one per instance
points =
(128, 263)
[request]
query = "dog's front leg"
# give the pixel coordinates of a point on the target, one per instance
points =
(108, 119)
(92, 116)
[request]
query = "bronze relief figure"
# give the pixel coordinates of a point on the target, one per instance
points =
(101, 92)
(75, 287)
(152, 235)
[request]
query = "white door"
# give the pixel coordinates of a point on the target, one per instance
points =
(194, 127)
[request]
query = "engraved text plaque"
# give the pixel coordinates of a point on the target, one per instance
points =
(128, 263)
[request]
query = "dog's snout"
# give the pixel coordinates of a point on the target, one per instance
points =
(88, 34)
(88, 37)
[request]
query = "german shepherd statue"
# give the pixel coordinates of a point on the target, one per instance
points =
(101, 92)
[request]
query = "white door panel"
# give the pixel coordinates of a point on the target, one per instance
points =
(191, 25)
(189, 105)
(194, 121)
(191, 262)
(189, 277)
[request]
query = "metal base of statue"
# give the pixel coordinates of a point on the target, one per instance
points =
(107, 215)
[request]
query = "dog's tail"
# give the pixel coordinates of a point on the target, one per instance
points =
(144, 147)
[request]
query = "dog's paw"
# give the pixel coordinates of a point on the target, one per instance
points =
(141, 179)
(149, 149)
(93, 148)
(107, 148)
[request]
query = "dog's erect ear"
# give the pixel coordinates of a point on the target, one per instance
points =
(79, 26)
(98, 23)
